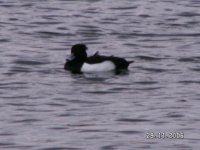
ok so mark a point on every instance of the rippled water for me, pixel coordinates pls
(44, 107)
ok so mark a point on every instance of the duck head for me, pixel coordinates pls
(78, 52)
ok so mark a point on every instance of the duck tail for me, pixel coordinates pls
(129, 62)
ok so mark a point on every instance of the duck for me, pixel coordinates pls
(79, 62)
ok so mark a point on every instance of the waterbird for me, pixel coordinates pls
(79, 62)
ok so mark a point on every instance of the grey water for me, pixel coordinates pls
(155, 105)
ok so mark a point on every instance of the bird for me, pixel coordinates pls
(79, 62)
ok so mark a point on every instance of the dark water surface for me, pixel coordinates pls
(43, 107)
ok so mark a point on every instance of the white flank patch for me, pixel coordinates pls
(100, 67)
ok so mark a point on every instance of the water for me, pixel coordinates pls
(44, 107)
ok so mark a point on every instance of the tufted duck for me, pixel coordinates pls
(79, 62)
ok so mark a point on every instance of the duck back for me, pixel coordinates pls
(120, 63)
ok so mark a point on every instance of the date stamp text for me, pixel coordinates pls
(164, 135)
